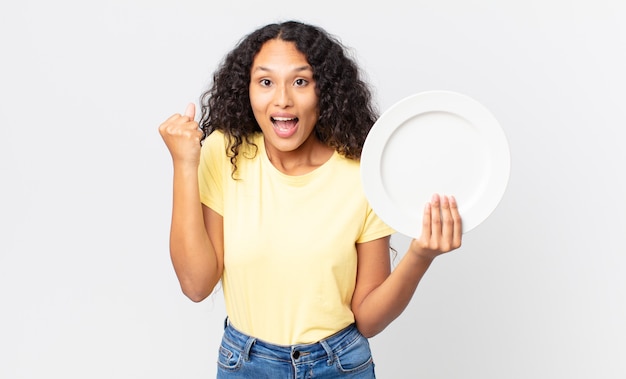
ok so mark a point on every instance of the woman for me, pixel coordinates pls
(271, 205)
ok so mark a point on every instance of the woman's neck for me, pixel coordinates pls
(306, 158)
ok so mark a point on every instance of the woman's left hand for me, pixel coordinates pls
(441, 228)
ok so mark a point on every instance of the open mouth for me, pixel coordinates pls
(284, 126)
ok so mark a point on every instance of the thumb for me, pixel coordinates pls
(190, 111)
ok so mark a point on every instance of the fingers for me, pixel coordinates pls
(436, 215)
(447, 223)
(426, 222)
(190, 111)
(182, 124)
(189, 114)
(441, 224)
(457, 235)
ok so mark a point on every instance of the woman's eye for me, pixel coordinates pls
(265, 82)
(300, 82)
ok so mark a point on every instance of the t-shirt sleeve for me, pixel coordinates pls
(374, 227)
(211, 171)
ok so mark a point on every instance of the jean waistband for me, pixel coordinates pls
(298, 353)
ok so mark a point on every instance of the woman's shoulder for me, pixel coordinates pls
(216, 138)
(348, 163)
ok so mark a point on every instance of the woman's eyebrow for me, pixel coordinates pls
(296, 69)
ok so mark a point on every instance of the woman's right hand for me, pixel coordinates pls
(182, 136)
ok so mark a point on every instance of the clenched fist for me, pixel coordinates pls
(182, 136)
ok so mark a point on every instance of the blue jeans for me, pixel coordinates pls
(345, 354)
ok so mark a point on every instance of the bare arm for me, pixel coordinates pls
(381, 296)
(197, 261)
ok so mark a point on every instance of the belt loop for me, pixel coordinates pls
(247, 348)
(329, 351)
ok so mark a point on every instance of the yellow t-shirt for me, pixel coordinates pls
(289, 241)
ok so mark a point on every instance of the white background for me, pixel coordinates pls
(86, 286)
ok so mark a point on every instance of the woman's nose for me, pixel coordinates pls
(282, 97)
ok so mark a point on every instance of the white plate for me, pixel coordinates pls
(434, 142)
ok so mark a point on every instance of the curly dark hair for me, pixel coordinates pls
(346, 110)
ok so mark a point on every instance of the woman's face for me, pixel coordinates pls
(282, 96)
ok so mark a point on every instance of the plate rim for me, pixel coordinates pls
(412, 106)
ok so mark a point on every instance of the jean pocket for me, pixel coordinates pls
(229, 358)
(355, 357)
